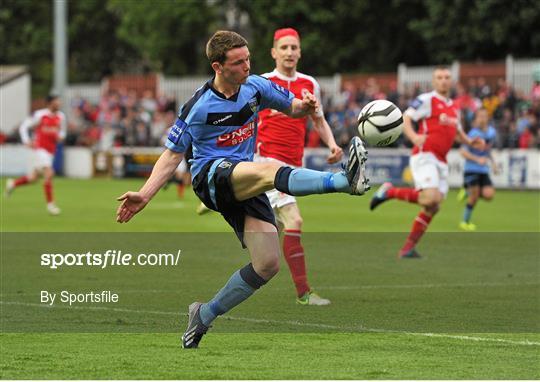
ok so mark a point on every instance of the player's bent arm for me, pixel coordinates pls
(476, 142)
(409, 132)
(25, 128)
(163, 170)
(301, 108)
(323, 129)
(325, 132)
(470, 156)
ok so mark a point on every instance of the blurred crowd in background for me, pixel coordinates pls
(124, 118)
(515, 115)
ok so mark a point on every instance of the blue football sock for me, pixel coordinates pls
(306, 182)
(233, 293)
(467, 213)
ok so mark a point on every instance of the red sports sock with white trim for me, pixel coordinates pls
(406, 194)
(420, 225)
(21, 181)
(48, 188)
(294, 255)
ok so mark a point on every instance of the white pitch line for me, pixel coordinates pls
(287, 322)
(339, 287)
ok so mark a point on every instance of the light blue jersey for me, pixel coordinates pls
(219, 127)
(488, 136)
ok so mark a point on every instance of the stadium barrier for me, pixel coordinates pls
(516, 169)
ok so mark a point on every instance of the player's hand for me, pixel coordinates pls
(336, 153)
(132, 203)
(309, 102)
(419, 139)
(478, 144)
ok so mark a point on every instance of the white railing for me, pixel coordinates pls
(410, 76)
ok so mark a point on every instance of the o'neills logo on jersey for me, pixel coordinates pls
(237, 136)
(447, 120)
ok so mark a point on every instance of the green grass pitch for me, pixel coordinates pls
(468, 311)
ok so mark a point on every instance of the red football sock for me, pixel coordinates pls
(20, 181)
(48, 188)
(420, 225)
(294, 255)
(407, 194)
(180, 187)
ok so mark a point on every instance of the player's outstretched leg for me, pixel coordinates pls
(302, 181)
(12, 184)
(387, 191)
(250, 179)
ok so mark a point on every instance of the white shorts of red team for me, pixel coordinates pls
(277, 198)
(429, 172)
(41, 158)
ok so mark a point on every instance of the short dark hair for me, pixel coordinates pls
(442, 67)
(221, 42)
(51, 97)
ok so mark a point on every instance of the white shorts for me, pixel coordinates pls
(277, 198)
(41, 158)
(429, 172)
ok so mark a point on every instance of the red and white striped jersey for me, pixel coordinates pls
(279, 136)
(49, 127)
(438, 119)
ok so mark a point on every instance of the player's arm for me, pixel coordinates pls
(470, 156)
(24, 129)
(476, 142)
(322, 128)
(63, 129)
(408, 130)
(304, 107)
(419, 108)
(133, 202)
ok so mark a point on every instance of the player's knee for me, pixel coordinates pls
(488, 195)
(295, 222)
(432, 202)
(268, 268)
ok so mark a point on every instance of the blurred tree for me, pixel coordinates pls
(95, 49)
(170, 35)
(339, 36)
(26, 39)
(107, 36)
(479, 29)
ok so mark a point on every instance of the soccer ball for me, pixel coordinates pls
(380, 123)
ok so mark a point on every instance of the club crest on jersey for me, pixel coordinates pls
(253, 104)
(280, 89)
(176, 131)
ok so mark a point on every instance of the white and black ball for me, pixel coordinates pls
(380, 123)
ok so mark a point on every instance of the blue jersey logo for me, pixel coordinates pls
(176, 131)
(280, 89)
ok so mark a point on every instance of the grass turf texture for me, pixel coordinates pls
(462, 313)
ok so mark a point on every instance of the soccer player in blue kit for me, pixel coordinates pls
(476, 172)
(219, 122)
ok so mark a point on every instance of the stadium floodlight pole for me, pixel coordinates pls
(60, 49)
